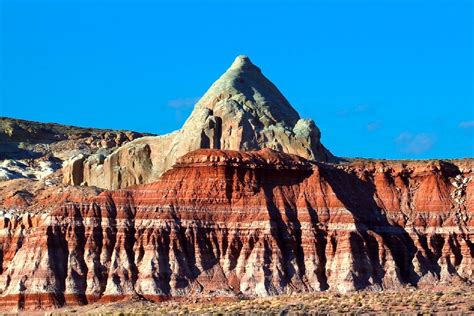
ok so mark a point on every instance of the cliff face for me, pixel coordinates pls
(260, 223)
(242, 111)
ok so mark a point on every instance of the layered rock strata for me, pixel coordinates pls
(223, 223)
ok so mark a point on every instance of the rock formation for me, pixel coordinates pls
(242, 110)
(223, 223)
(242, 201)
(37, 150)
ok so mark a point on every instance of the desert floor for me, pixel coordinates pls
(453, 300)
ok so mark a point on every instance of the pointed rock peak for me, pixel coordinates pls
(244, 88)
(242, 62)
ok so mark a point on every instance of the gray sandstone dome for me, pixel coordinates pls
(242, 111)
(243, 86)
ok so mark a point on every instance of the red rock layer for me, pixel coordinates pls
(222, 223)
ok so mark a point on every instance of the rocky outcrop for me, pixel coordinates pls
(224, 223)
(36, 150)
(242, 110)
(73, 170)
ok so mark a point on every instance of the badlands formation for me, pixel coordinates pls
(242, 201)
(242, 110)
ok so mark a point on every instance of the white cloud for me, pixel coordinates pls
(182, 102)
(466, 124)
(415, 144)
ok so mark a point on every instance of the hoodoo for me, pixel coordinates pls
(242, 110)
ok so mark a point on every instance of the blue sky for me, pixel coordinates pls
(383, 79)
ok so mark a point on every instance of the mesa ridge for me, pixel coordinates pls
(243, 201)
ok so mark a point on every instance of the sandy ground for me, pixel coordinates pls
(457, 300)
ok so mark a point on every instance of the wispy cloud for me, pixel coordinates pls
(415, 144)
(182, 102)
(358, 109)
(374, 126)
(466, 124)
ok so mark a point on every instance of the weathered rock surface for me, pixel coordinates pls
(242, 110)
(254, 205)
(36, 150)
(223, 223)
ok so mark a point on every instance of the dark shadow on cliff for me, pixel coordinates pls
(321, 243)
(357, 196)
(287, 235)
(14, 151)
(58, 260)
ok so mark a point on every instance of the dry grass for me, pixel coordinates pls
(454, 301)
